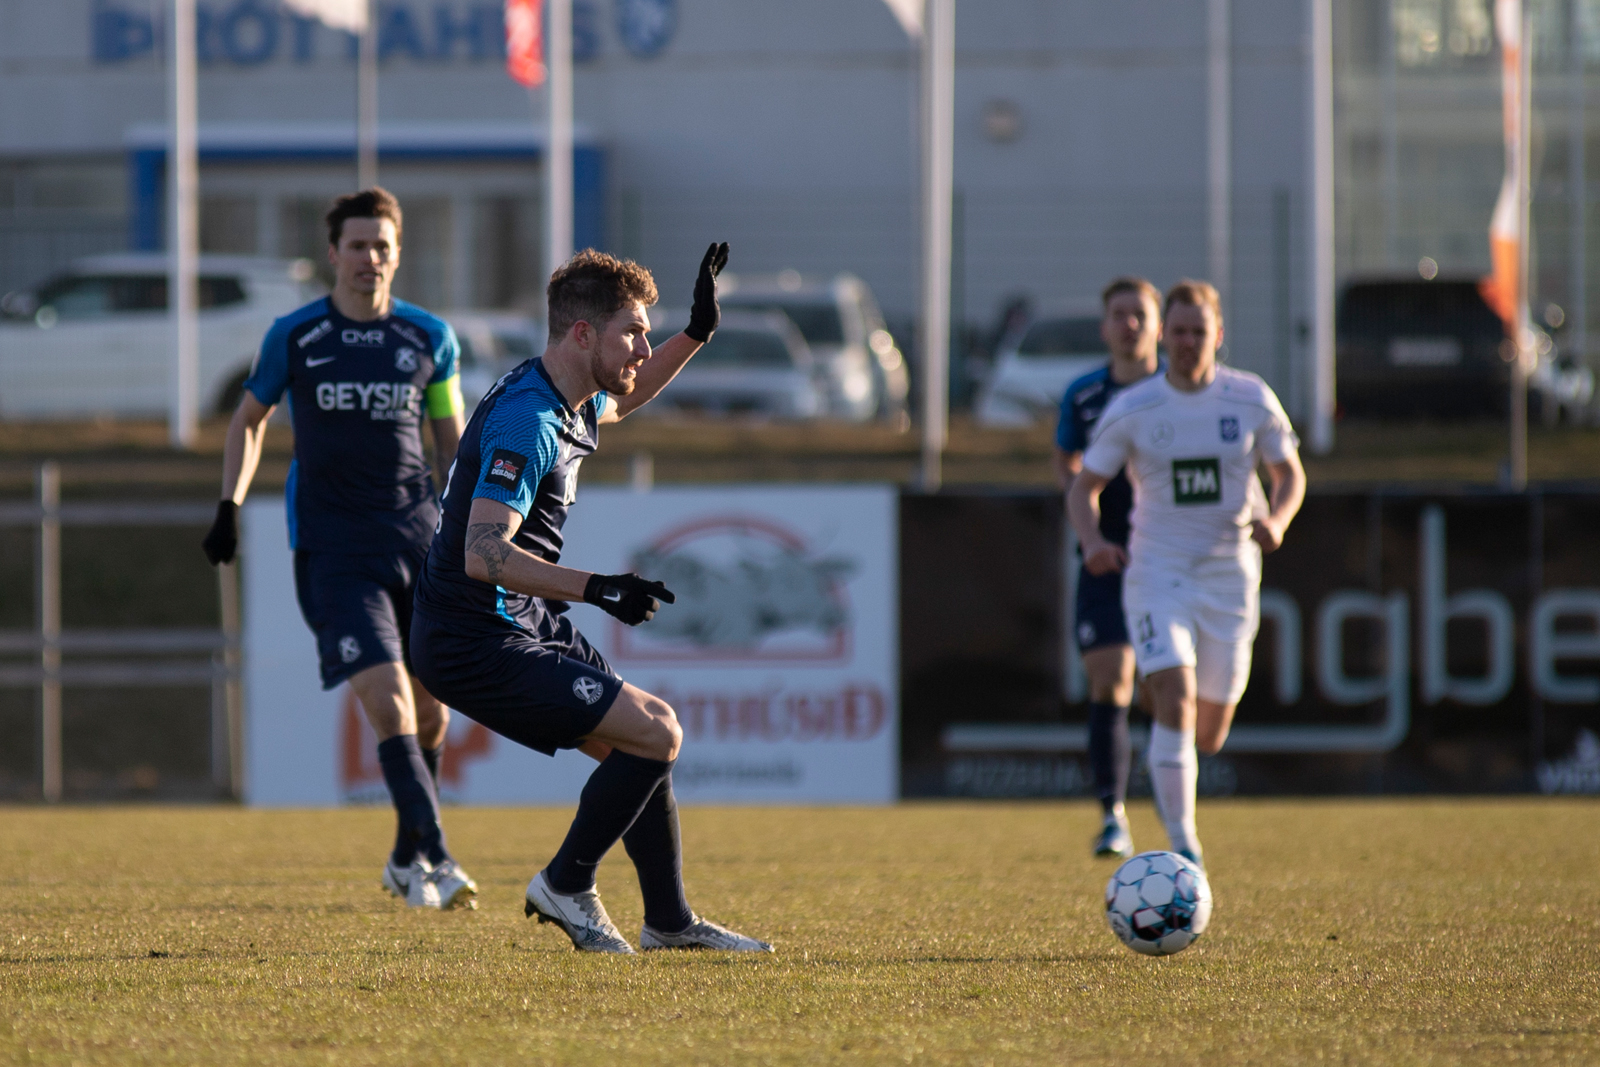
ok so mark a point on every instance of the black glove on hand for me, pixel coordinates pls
(223, 540)
(627, 596)
(706, 315)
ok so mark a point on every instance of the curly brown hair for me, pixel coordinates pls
(593, 286)
(374, 203)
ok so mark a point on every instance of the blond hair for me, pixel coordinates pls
(1196, 294)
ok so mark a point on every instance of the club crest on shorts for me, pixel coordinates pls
(349, 649)
(587, 689)
(1229, 428)
(1086, 634)
(405, 358)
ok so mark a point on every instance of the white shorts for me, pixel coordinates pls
(1201, 612)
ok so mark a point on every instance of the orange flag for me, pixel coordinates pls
(525, 41)
(1502, 290)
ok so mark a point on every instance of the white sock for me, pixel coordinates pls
(1174, 773)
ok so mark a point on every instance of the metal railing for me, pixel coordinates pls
(188, 656)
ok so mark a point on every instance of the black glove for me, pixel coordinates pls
(706, 315)
(627, 596)
(223, 540)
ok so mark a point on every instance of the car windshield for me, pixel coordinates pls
(1418, 308)
(733, 347)
(92, 295)
(1079, 336)
(819, 321)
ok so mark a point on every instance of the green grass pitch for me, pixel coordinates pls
(1460, 931)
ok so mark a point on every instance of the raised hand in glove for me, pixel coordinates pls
(223, 539)
(627, 596)
(705, 316)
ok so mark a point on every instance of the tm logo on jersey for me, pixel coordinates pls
(1197, 481)
(505, 469)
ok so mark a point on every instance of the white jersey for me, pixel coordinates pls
(1192, 460)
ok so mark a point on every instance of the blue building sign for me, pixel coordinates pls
(253, 32)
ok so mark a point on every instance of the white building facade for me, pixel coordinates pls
(1089, 138)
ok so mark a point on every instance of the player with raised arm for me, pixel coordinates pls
(360, 369)
(1191, 440)
(1131, 329)
(489, 634)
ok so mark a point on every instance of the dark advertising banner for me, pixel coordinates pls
(1409, 642)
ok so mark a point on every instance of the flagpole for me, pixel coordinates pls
(558, 162)
(938, 137)
(367, 101)
(1524, 340)
(183, 243)
(1323, 391)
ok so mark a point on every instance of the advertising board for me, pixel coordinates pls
(780, 655)
(1410, 642)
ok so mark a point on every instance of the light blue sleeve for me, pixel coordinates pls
(446, 356)
(270, 376)
(514, 459)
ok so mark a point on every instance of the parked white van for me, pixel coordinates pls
(96, 340)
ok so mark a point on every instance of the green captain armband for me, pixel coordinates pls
(444, 398)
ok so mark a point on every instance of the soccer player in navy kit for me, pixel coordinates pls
(1131, 328)
(489, 635)
(360, 368)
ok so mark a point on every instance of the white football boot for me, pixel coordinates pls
(701, 933)
(580, 915)
(412, 883)
(455, 886)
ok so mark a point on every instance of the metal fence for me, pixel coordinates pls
(122, 657)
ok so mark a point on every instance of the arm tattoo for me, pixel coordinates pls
(489, 541)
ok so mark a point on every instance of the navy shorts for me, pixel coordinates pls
(358, 606)
(1098, 621)
(545, 691)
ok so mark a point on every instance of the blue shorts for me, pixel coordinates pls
(546, 691)
(1098, 620)
(359, 607)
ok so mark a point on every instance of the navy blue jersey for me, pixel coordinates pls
(360, 481)
(522, 447)
(1085, 399)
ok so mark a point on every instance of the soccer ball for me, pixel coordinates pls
(1158, 903)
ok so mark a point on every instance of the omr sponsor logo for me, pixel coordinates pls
(367, 338)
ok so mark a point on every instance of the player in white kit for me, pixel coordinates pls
(1191, 440)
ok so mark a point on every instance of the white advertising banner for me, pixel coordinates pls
(780, 655)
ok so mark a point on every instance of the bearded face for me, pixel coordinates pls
(623, 347)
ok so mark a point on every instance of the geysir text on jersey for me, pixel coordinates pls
(381, 400)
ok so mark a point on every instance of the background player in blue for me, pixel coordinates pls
(359, 368)
(1131, 329)
(489, 636)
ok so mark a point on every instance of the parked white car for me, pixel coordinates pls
(757, 363)
(492, 343)
(95, 340)
(864, 371)
(1033, 369)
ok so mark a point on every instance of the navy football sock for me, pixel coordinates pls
(611, 800)
(1109, 753)
(411, 789)
(431, 758)
(654, 845)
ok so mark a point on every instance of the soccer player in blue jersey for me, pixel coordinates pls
(489, 635)
(362, 370)
(1131, 328)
